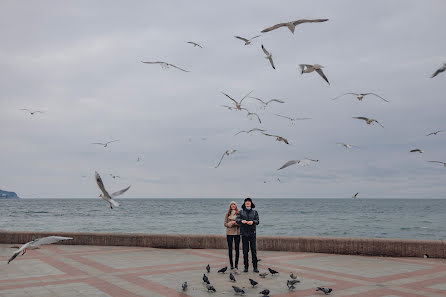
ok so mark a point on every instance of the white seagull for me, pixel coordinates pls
(31, 112)
(304, 162)
(106, 143)
(37, 242)
(226, 153)
(346, 145)
(360, 96)
(416, 151)
(247, 41)
(435, 133)
(368, 121)
(269, 56)
(292, 25)
(250, 115)
(250, 131)
(293, 120)
(439, 70)
(165, 65)
(238, 105)
(265, 103)
(444, 163)
(307, 68)
(105, 195)
(194, 44)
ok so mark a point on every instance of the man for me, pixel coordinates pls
(247, 219)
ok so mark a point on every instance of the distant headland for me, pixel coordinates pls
(8, 195)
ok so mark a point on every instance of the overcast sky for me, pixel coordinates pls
(79, 61)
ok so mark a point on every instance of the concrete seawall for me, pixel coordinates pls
(331, 245)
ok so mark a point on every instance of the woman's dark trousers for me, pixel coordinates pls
(236, 239)
(249, 242)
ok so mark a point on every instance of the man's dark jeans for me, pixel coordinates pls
(249, 242)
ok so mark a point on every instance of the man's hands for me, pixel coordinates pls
(244, 221)
(247, 222)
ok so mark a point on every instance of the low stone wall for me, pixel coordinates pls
(332, 245)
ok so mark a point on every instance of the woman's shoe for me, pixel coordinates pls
(232, 267)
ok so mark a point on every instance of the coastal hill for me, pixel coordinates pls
(8, 195)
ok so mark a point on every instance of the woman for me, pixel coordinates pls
(232, 233)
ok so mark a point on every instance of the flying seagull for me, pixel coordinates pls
(444, 163)
(307, 68)
(293, 120)
(265, 104)
(105, 144)
(194, 44)
(247, 41)
(292, 25)
(360, 96)
(31, 112)
(355, 196)
(324, 290)
(416, 151)
(238, 105)
(36, 243)
(434, 133)
(165, 65)
(226, 153)
(238, 290)
(346, 145)
(105, 195)
(303, 162)
(368, 121)
(269, 56)
(439, 70)
(250, 131)
(114, 176)
(278, 138)
(251, 114)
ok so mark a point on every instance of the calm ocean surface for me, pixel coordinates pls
(379, 218)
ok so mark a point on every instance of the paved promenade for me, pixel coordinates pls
(65, 270)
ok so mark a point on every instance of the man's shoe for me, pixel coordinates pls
(256, 270)
(246, 269)
(232, 267)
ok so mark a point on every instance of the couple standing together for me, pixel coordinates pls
(242, 222)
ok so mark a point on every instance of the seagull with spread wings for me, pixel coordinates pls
(226, 153)
(368, 121)
(360, 96)
(106, 143)
(250, 115)
(250, 131)
(278, 138)
(444, 163)
(439, 70)
(416, 151)
(36, 243)
(238, 105)
(346, 145)
(32, 112)
(308, 68)
(292, 120)
(105, 195)
(165, 65)
(194, 44)
(247, 41)
(304, 162)
(434, 133)
(292, 25)
(269, 56)
(265, 103)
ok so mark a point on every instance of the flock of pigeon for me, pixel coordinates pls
(241, 291)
